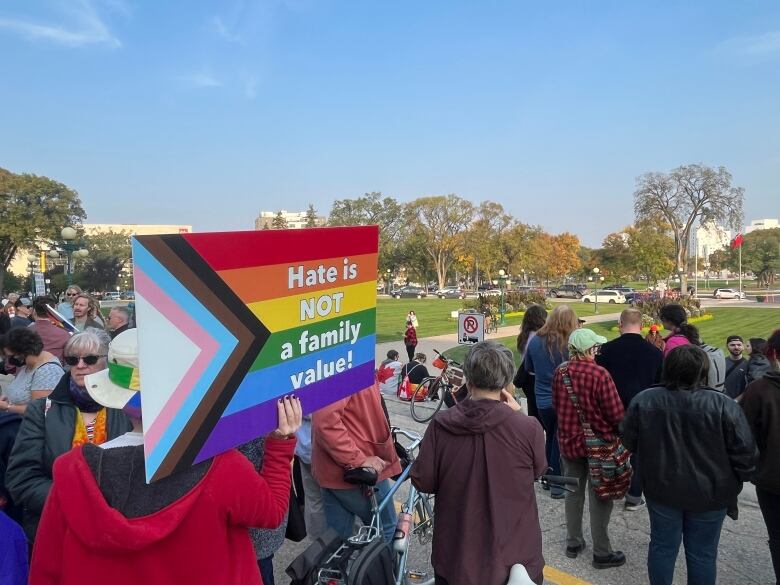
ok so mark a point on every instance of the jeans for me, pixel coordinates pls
(267, 570)
(342, 505)
(313, 509)
(699, 532)
(634, 495)
(549, 421)
(600, 510)
(410, 351)
(770, 509)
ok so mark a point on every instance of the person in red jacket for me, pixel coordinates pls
(103, 522)
(353, 432)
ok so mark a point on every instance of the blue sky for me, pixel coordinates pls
(205, 113)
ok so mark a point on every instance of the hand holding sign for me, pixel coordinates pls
(290, 417)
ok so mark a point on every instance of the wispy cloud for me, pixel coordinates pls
(225, 32)
(754, 46)
(86, 27)
(201, 79)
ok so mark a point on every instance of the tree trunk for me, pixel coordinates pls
(2, 280)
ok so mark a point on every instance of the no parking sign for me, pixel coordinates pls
(471, 328)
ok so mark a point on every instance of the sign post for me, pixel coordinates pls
(471, 328)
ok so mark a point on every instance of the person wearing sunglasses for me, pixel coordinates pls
(37, 370)
(68, 418)
(65, 308)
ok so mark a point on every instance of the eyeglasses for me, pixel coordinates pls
(70, 294)
(90, 360)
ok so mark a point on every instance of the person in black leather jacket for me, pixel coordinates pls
(696, 449)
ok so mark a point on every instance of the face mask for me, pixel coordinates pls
(16, 362)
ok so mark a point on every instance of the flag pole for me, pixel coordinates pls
(696, 267)
(740, 269)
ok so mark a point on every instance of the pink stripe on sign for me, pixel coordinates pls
(187, 325)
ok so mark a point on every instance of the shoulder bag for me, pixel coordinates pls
(608, 461)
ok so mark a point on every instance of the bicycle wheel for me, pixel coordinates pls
(423, 518)
(424, 410)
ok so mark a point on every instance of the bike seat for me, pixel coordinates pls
(361, 476)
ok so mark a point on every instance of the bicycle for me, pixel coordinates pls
(416, 518)
(436, 388)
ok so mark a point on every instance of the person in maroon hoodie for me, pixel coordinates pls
(480, 459)
(102, 522)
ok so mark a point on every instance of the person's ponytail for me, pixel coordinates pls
(690, 332)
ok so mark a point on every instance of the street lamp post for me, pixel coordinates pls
(72, 249)
(387, 278)
(596, 289)
(32, 265)
(502, 280)
(707, 275)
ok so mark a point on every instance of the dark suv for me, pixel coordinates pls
(571, 291)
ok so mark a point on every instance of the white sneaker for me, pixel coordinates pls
(635, 506)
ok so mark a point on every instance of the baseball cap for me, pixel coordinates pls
(583, 339)
(24, 301)
(654, 328)
(115, 386)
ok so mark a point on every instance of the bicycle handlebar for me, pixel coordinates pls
(558, 480)
(411, 435)
(446, 359)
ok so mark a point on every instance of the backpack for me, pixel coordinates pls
(717, 374)
(406, 388)
(304, 568)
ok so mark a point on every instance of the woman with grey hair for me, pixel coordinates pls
(52, 426)
(480, 458)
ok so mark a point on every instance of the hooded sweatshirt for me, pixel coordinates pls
(103, 522)
(761, 403)
(480, 459)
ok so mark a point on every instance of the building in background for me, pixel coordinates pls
(761, 224)
(136, 229)
(711, 237)
(20, 264)
(295, 219)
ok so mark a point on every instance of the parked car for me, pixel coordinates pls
(488, 289)
(571, 291)
(605, 296)
(409, 292)
(111, 296)
(728, 293)
(128, 295)
(451, 292)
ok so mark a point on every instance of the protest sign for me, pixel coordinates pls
(229, 322)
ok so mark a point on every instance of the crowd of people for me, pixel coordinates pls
(73, 493)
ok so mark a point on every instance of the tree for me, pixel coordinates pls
(33, 210)
(311, 217)
(109, 255)
(760, 255)
(373, 209)
(441, 220)
(515, 245)
(482, 241)
(555, 256)
(16, 283)
(615, 257)
(686, 195)
(279, 223)
(651, 250)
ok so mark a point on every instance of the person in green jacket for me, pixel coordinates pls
(68, 418)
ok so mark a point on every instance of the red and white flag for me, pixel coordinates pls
(737, 241)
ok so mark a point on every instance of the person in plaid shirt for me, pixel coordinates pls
(603, 409)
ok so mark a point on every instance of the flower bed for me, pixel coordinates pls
(692, 321)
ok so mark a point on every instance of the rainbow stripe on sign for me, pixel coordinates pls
(229, 322)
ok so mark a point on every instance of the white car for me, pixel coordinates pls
(728, 293)
(605, 296)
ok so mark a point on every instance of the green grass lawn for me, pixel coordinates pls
(434, 316)
(727, 321)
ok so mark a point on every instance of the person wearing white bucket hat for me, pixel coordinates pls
(102, 517)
